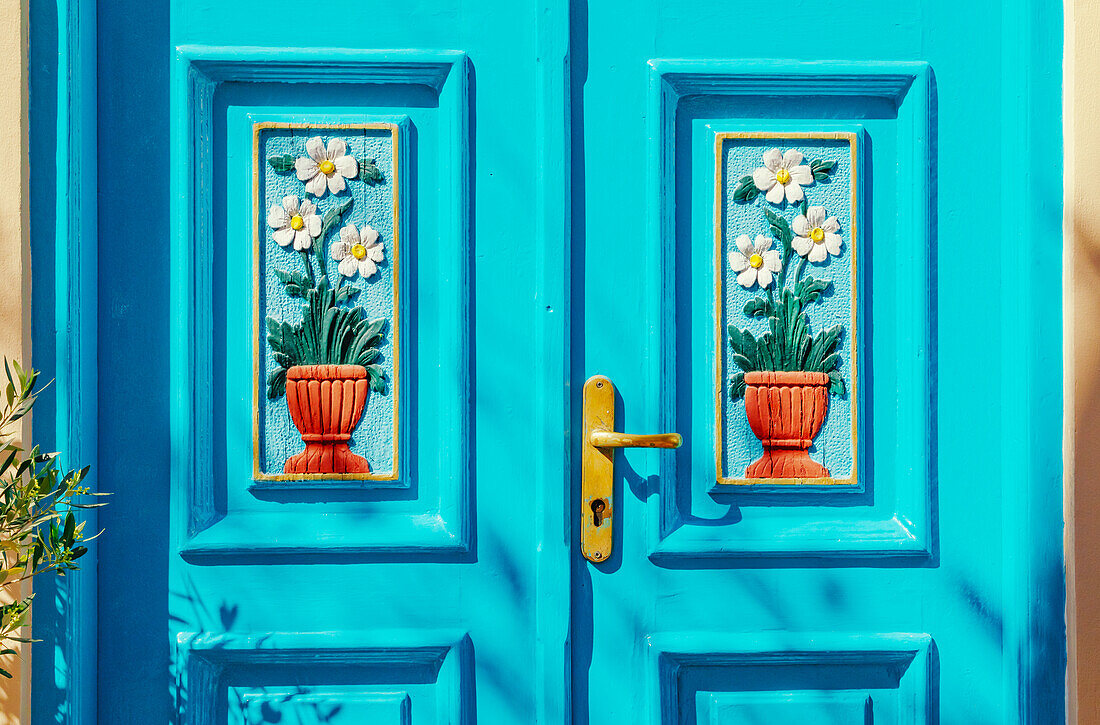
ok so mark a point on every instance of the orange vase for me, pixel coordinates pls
(785, 411)
(326, 402)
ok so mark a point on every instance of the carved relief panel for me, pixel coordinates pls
(787, 297)
(326, 300)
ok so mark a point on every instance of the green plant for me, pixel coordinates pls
(39, 531)
(789, 344)
(332, 330)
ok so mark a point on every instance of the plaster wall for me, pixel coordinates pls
(1082, 359)
(15, 338)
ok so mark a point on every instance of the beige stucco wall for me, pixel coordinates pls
(1082, 359)
(15, 339)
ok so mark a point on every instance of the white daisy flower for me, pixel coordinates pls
(817, 234)
(755, 262)
(358, 252)
(294, 221)
(326, 168)
(783, 175)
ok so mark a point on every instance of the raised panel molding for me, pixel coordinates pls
(428, 516)
(890, 513)
(717, 677)
(226, 678)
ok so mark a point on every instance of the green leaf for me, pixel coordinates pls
(766, 352)
(746, 350)
(837, 386)
(742, 362)
(757, 306)
(332, 217)
(70, 527)
(780, 229)
(369, 172)
(377, 378)
(821, 169)
(347, 294)
(281, 163)
(737, 386)
(745, 190)
(276, 384)
(810, 289)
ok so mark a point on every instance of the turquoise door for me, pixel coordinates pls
(356, 263)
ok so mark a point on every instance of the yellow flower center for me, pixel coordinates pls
(358, 251)
(327, 167)
(296, 222)
(756, 261)
(818, 235)
(783, 176)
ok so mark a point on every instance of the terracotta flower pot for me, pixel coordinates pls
(785, 411)
(326, 402)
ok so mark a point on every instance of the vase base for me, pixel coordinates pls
(326, 458)
(786, 463)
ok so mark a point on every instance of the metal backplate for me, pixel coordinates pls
(597, 467)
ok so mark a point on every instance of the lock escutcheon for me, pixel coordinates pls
(598, 465)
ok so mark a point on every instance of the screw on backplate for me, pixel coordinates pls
(598, 555)
(599, 385)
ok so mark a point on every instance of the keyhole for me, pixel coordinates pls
(598, 507)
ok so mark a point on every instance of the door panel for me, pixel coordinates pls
(425, 98)
(405, 595)
(883, 510)
(900, 598)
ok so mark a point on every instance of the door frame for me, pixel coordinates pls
(65, 309)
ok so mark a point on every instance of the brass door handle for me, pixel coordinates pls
(598, 465)
(611, 439)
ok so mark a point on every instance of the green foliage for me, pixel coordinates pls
(745, 190)
(332, 218)
(788, 345)
(39, 529)
(294, 283)
(281, 162)
(781, 230)
(327, 335)
(821, 169)
(330, 333)
(369, 172)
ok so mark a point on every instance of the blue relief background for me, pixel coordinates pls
(373, 206)
(833, 445)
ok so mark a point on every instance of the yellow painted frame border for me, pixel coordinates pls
(395, 327)
(719, 305)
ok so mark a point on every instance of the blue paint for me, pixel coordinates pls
(834, 444)
(371, 205)
(561, 224)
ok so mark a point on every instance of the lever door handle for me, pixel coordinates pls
(611, 439)
(598, 465)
